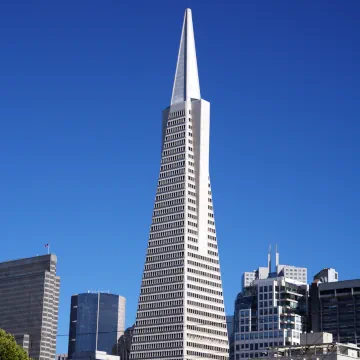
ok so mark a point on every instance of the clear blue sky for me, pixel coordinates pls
(82, 87)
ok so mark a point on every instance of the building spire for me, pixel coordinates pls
(186, 82)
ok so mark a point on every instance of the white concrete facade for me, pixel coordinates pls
(181, 308)
(273, 323)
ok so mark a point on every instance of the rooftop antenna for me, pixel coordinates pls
(269, 259)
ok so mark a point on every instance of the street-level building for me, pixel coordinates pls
(316, 346)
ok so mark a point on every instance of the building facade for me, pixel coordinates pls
(315, 346)
(97, 320)
(94, 355)
(181, 313)
(61, 357)
(263, 272)
(123, 346)
(270, 313)
(29, 302)
(335, 307)
(247, 278)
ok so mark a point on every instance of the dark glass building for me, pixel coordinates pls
(335, 308)
(29, 301)
(97, 320)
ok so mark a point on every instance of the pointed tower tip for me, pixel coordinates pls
(186, 83)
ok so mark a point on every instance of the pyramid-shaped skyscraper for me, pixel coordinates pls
(181, 308)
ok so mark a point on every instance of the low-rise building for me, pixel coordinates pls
(94, 355)
(316, 346)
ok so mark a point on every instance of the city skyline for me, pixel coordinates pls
(69, 155)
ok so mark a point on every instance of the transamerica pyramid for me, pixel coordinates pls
(181, 308)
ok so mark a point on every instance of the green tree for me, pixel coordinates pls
(9, 349)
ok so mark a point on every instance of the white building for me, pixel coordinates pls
(248, 278)
(293, 272)
(263, 272)
(317, 346)
(181, 309)
(268, 314)
(94, 355)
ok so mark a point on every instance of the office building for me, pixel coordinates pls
(181, 308)
(61, 357)
(97, 320)
(123, 346)
(94, 355)
(316, 346)
(289, 271)
(269, 313)
(335, 306)
(23, 340)
(230, 325)
(247, 278)
(327, 275)
(29, 301)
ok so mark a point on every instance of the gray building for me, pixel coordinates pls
(61, 357)
(315, 346)
(97, 320)
(123, 346)
(29, 301)
(230, 325)
(335, 307)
